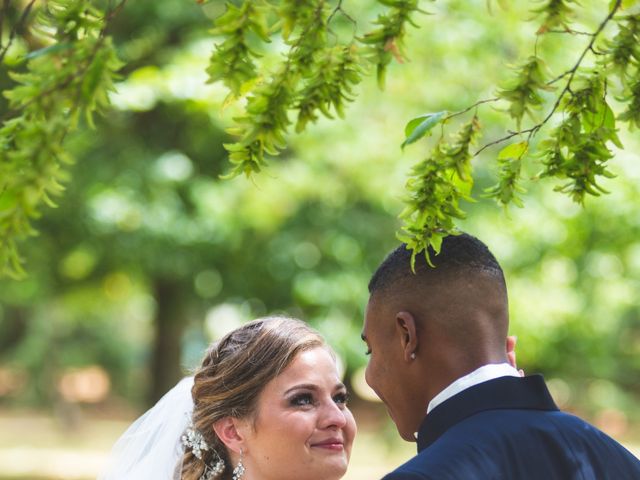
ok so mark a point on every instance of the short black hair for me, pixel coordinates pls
(459, 254)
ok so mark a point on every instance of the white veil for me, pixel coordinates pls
(151, 446)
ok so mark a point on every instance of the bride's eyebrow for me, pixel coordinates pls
(313, 387)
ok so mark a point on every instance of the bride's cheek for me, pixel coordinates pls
(351, 426)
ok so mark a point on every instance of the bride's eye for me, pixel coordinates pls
(341, 398)
(302, 400)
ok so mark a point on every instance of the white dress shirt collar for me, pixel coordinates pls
(482, 374)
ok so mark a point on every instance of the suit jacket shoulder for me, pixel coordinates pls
(509, 428)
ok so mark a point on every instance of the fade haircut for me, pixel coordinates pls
(460, 255)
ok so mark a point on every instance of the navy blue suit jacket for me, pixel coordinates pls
(509, 428)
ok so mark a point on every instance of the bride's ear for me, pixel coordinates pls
(229, 430)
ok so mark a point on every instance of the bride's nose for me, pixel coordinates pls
(331, 415)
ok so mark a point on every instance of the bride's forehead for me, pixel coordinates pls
(312, 359)
(314, 363)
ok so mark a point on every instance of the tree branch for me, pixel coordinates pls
(344, 14)
(342, 11)
(14, 30)
(478, 103)
(567, 88)
(112, 12)
(570, 32)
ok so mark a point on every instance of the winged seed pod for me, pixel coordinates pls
(523, 90)
(555, 13)
(232, 59)
(577, 150)
(331, 85)
(387, 40)
(623, 50)
(435, 188)
(632, 98)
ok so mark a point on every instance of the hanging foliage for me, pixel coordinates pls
(60, 84)
(572, 143)
(288, 62)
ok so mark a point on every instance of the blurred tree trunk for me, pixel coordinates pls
(13, 327)
(169, 323)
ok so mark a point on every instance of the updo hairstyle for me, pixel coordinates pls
(234, 372)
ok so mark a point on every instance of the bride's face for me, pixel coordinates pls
(302, 428)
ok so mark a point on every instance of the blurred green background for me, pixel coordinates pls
(149, 256)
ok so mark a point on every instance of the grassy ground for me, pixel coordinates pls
(35, 446)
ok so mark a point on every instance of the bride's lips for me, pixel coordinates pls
(333, 444)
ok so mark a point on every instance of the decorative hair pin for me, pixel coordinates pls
(193, 440)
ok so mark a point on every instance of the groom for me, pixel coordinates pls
(438, 361)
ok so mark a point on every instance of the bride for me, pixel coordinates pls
(267, 403)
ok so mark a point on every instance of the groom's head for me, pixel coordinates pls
(428, 328)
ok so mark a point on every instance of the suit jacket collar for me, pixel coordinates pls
(528, 393)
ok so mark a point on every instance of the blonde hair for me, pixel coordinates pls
(234, 372)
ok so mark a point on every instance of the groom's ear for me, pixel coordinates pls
(407, 334)
(229, 431)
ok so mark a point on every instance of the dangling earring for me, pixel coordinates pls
(238, 472)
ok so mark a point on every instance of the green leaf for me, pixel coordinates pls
(609, 120)
(515, 150)
(610, 123)
(436, 243)
(420, 126)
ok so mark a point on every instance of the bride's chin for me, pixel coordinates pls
(336, 469)
(334, 475)
(331, 465)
